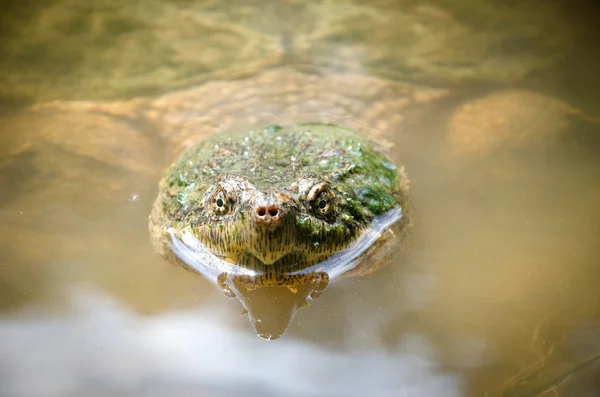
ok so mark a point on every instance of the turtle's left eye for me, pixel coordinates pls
(321, 199)
(323, 204)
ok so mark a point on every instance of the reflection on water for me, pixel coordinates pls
(494, 293)
(108, 349)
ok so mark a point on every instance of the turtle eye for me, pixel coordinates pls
(221, 198)
(323, 203)
(221, 202)
(321, 199)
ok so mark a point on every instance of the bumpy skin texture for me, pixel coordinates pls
(277, 197)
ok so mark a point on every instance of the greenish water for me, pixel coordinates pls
(493, 293)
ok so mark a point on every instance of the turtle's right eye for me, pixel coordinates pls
(222, 198)
(221, 202)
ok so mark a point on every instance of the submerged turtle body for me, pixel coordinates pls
(93, 165)
(119, 150)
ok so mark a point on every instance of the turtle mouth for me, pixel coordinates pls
(290, 262)
(195, 254)
(289, 259)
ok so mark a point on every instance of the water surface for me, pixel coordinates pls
(497, 278)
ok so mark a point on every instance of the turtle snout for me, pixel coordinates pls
(268, 214)
(271, 234)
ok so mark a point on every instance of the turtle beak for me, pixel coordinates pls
(273, 234)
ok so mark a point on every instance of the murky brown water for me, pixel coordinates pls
(494, 293)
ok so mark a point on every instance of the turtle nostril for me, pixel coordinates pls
(267, 212)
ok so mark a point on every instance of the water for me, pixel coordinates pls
(492, 294)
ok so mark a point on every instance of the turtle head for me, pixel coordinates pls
(287, 197)
(293, 227)
(282, 207)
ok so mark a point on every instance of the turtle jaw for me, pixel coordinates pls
(268, 258)
(269, 244)
(270, 233)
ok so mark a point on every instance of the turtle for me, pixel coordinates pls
(279, 206)
(317, 131)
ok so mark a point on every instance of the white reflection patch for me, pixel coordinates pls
(103, 349)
